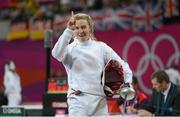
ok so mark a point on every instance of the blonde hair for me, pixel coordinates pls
(88, 18)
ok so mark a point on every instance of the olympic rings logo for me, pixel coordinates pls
(150, 56)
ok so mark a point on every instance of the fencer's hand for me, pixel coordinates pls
(72, 22)
(125, 85)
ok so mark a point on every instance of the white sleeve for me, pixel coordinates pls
(61, 45)
(110, 54)
(179, 79)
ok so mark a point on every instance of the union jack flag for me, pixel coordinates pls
(98, 18)
(171, 8)
(112, 19)
(119, 19)
(147, 16)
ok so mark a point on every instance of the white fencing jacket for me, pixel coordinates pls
(85, 62)
(12, 83)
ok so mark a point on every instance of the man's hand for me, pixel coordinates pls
(143, 112)
(72, 22)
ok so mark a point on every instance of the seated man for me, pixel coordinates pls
(165, 99)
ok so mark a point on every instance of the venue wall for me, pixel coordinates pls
(145, 52)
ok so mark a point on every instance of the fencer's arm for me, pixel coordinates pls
(60, 47)
(8, 83)
(111, 54)
(62, 43)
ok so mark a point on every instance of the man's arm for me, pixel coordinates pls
(176, 108)
(149, 109)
